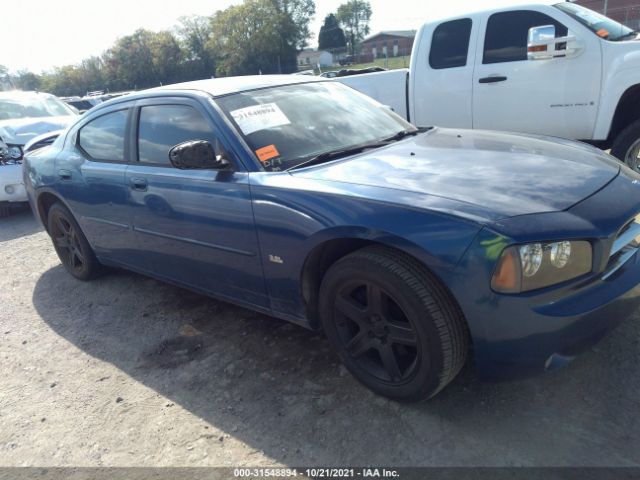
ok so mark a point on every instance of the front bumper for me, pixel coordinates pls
(11, 184)
(516, 336)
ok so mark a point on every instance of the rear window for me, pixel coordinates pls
(103, 138)
(450, 44)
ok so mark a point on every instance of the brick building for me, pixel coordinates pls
(390, 43)
(624, 11)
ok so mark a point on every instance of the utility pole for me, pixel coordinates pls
(606, 7)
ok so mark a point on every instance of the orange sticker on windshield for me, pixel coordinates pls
(267, 153)
(602, 33)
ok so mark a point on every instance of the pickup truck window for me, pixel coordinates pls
(103, 138)
(602, 26)
(450, 44)
(288, 125)
(507, 34)
(163, 126)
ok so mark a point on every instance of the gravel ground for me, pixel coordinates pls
(128, 371)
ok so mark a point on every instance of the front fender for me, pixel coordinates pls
(291, 224)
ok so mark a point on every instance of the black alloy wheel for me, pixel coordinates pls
(70, 244)
(393, 324)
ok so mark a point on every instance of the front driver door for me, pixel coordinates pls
(556, 97)
(192, 226)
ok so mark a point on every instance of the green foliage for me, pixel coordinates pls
(354, 16)
(252, 37)
(260, 36)
(331, 35)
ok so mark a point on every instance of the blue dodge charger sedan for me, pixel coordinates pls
(415, 251)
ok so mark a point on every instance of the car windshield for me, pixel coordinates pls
(602, 26)
(287, 126)
(32, 107)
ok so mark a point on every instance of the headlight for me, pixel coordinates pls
(522, 268)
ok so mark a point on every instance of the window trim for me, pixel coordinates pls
(127, 129)
(433, 34)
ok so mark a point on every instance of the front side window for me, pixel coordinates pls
(508, 33)
(287, 125)
(104, 137)
(450, 44)
(164, 126)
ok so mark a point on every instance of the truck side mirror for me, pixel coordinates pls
(542, 44)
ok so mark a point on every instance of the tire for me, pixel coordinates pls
(380, 307)
(5, 211)
(71, 245)
(626, 146)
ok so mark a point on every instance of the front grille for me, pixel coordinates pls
(624, 246)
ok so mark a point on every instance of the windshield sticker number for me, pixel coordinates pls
(259, 117)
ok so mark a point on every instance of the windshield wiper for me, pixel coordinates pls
(334, 154)
(344, 152)
(630, 34)
(406, 133)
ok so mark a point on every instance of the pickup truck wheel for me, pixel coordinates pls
(393, 324)
(626, 146)
(71, 245)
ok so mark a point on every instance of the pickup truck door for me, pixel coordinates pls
(194, 227)
(440, 84)
(557, 96)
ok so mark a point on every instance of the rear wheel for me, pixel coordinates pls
(393, 324)
(71, 245)
(626, 146)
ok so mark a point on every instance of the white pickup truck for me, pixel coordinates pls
(551, 68)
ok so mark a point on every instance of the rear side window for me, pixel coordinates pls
(508, 32)
(450, 44)
(164, 126)
(103, 138)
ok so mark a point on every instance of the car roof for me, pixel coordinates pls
(227, 85)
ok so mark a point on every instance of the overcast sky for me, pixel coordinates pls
(40, 34)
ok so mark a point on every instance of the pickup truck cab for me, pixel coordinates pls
(548, 68)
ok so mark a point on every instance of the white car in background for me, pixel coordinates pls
(24, 116)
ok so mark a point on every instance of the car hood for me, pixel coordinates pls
(20, 131)
(503, 174)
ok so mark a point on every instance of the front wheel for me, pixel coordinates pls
(71, 245)
(626, 146)
(393, 324)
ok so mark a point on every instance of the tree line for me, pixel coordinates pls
(254, 37)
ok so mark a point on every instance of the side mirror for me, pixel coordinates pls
(542, 44)
(196, 155)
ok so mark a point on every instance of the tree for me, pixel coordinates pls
(260, 36)
(194, 33)
(331, 35)
(25, 80)
(354, 16)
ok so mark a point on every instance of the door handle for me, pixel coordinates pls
(138, 183)
(492, 79)
(64, 174)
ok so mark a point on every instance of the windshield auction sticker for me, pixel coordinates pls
(267, 153)
(259, 117)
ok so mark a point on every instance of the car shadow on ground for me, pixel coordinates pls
(20, 223)
(279, 389)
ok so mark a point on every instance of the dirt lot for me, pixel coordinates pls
(128, 371)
